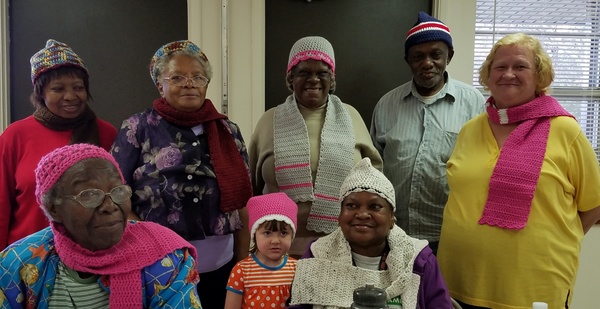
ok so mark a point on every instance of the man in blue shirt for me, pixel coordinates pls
(415, 126)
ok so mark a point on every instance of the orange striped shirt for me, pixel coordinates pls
(262, 286)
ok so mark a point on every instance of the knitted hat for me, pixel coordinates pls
(364, 177)
(53, 165)
(54, 55)
(427, 29)
(311, 47)
(170, 48)
(272, 206)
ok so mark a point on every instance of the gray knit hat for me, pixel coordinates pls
(311, 47)
(364, 177)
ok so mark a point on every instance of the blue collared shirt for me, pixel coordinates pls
(415, 136)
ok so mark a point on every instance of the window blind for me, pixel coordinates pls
(570, 33)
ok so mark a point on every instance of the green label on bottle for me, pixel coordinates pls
(395, 303)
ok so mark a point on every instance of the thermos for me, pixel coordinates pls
(369, 297)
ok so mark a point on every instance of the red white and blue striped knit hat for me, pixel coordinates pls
(54, 55)
(427, 29)
(53, 165)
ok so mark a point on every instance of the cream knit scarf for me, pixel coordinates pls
(292, 160)
(328, 280)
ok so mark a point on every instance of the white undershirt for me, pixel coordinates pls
(366, 262)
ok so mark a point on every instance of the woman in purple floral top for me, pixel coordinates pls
(188, 166)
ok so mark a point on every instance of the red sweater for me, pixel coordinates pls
(22, 145)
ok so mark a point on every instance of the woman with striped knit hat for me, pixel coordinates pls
(61, 97)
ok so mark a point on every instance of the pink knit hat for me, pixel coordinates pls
(53, 165)
(272, 206)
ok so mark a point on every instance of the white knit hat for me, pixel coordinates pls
(364, 177)
(311, 47)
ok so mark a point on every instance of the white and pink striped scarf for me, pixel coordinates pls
(292, 160)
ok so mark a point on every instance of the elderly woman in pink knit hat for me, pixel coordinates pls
(91, 256)
(308, 144)
(63, 115)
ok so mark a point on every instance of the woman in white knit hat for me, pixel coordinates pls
(306, 146)
(368, 247)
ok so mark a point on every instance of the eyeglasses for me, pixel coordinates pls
(180, 80)
(92, 198)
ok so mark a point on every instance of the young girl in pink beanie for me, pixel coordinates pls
(264, 278)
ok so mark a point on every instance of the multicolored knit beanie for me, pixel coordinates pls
(427, 29)
(53, 165)
(54, 55)
(311, 47)
(273, 206)
(170, 48)
(364, 177)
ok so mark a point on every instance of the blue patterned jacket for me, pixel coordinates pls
(29, 266)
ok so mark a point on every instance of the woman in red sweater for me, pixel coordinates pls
(62, 116)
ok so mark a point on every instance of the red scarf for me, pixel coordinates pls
(230, 168)
(517, 170)
(142, 244)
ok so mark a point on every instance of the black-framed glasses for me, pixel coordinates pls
(92, 198)
(180, 80)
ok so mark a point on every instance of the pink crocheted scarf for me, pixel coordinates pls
(517, 171)
(142, 244)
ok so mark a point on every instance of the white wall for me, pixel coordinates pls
(459, 16)
(246, 49)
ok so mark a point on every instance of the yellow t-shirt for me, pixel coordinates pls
(501, 268)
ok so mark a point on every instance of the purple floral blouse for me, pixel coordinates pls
(172, 177)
